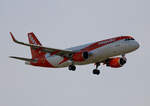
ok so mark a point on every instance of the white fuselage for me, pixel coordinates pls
(97, 55)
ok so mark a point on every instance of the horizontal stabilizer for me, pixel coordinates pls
(24, 59)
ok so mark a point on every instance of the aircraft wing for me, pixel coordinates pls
(24, 59)
(59, 52)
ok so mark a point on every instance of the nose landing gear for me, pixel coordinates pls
(96, 71)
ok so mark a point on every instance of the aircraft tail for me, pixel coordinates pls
(33, 40)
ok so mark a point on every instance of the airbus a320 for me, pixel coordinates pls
(104, 51)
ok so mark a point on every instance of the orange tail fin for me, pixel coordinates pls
(33, 40)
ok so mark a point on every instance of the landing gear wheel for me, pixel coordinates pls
(72, 67)
(96, 71)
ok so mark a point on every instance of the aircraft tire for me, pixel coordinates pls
(96, 71)
(72, 67)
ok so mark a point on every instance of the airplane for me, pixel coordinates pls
(104, 51)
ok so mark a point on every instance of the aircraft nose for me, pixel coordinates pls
(136, 45)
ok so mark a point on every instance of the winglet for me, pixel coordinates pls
(12, 37)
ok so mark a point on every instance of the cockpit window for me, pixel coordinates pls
(127, 39)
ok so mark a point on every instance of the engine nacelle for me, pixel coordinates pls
(116, 62)
(80, 56)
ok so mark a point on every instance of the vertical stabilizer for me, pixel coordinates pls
(33, 40)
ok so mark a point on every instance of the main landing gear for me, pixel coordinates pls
(96, 71)
(72, 67)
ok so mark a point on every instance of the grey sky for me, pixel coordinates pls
(66, 23)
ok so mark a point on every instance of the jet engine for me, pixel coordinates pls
(116, 62)
(80, 56)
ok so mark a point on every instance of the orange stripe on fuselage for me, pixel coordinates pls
(103, 43)
(43, 62)
(55, 52)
